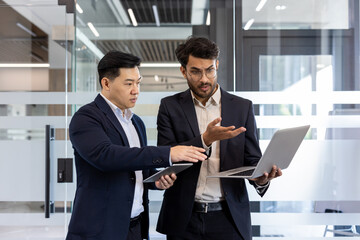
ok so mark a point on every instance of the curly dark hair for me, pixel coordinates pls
(199, 47)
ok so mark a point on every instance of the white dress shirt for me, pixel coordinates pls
(209, 189)
(133, 139)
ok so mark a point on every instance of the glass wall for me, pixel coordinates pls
(34, 77)
(300, 66)
(297, 61)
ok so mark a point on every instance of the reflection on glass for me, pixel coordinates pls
(297, 75)
(305, 14)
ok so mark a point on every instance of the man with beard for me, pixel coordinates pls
(206, 116)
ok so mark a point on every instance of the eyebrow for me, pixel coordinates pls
(132, 80)
(195, 68)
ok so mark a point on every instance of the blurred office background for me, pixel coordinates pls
(298, 61)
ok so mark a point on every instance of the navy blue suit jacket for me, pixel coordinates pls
(105, 166)
(177, 124)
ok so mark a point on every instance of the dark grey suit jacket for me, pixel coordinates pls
(177, 124)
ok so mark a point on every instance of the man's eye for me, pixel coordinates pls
(195, 72)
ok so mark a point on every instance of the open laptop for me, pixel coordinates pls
(280, 152)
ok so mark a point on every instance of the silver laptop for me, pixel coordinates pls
(280, 152)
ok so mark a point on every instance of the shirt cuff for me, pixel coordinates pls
(170, 163)
(261, 188)
(207, 148)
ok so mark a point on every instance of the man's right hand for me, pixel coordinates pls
(214, 133)
(187, 153)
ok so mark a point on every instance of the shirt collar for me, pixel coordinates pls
(214, 99)
(128, 114)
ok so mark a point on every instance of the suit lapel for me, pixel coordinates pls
(140, 133)
(103, 106)
(187, 105)
(143, 142)
(226, 119)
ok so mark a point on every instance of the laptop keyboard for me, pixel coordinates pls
(244, 173)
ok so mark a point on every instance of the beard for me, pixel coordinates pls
(203, 94)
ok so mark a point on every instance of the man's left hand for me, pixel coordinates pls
(165, 181)
(264, 179)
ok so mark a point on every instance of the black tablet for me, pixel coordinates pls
(176, 168)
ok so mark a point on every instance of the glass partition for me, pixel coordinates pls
(306, 14)
(300, 67)
(34, 73)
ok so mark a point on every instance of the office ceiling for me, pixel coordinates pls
(152, 46)
(148, 50)
(151, 42)
(170, 11)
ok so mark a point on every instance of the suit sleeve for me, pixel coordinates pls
(252, 148)
(94, 143)
(166, 132)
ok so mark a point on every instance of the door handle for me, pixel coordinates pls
(49, 137)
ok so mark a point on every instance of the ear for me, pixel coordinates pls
(183, 71)
(105, 83)
(217, 64)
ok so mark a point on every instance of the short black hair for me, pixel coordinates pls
(109, 65)
(199, 47)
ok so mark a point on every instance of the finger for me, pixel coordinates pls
(159, 185)
(197, 155)
(190, 159)
(173, 176)
(164, 184)
(272, 173)
(215, 121)
(225, 129)
(239, 130)
(167, 180)
(162, 179)
(198, 149)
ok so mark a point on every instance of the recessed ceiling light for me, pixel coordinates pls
(208, 18)
(24, 65)
(132, 17)
(260, 5)
(248, 24)
(280, 7)
(26, 29)
(78, 8)
(93, 29)
(156, 15)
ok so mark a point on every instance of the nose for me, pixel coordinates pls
(135, 89)
(204, 78)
